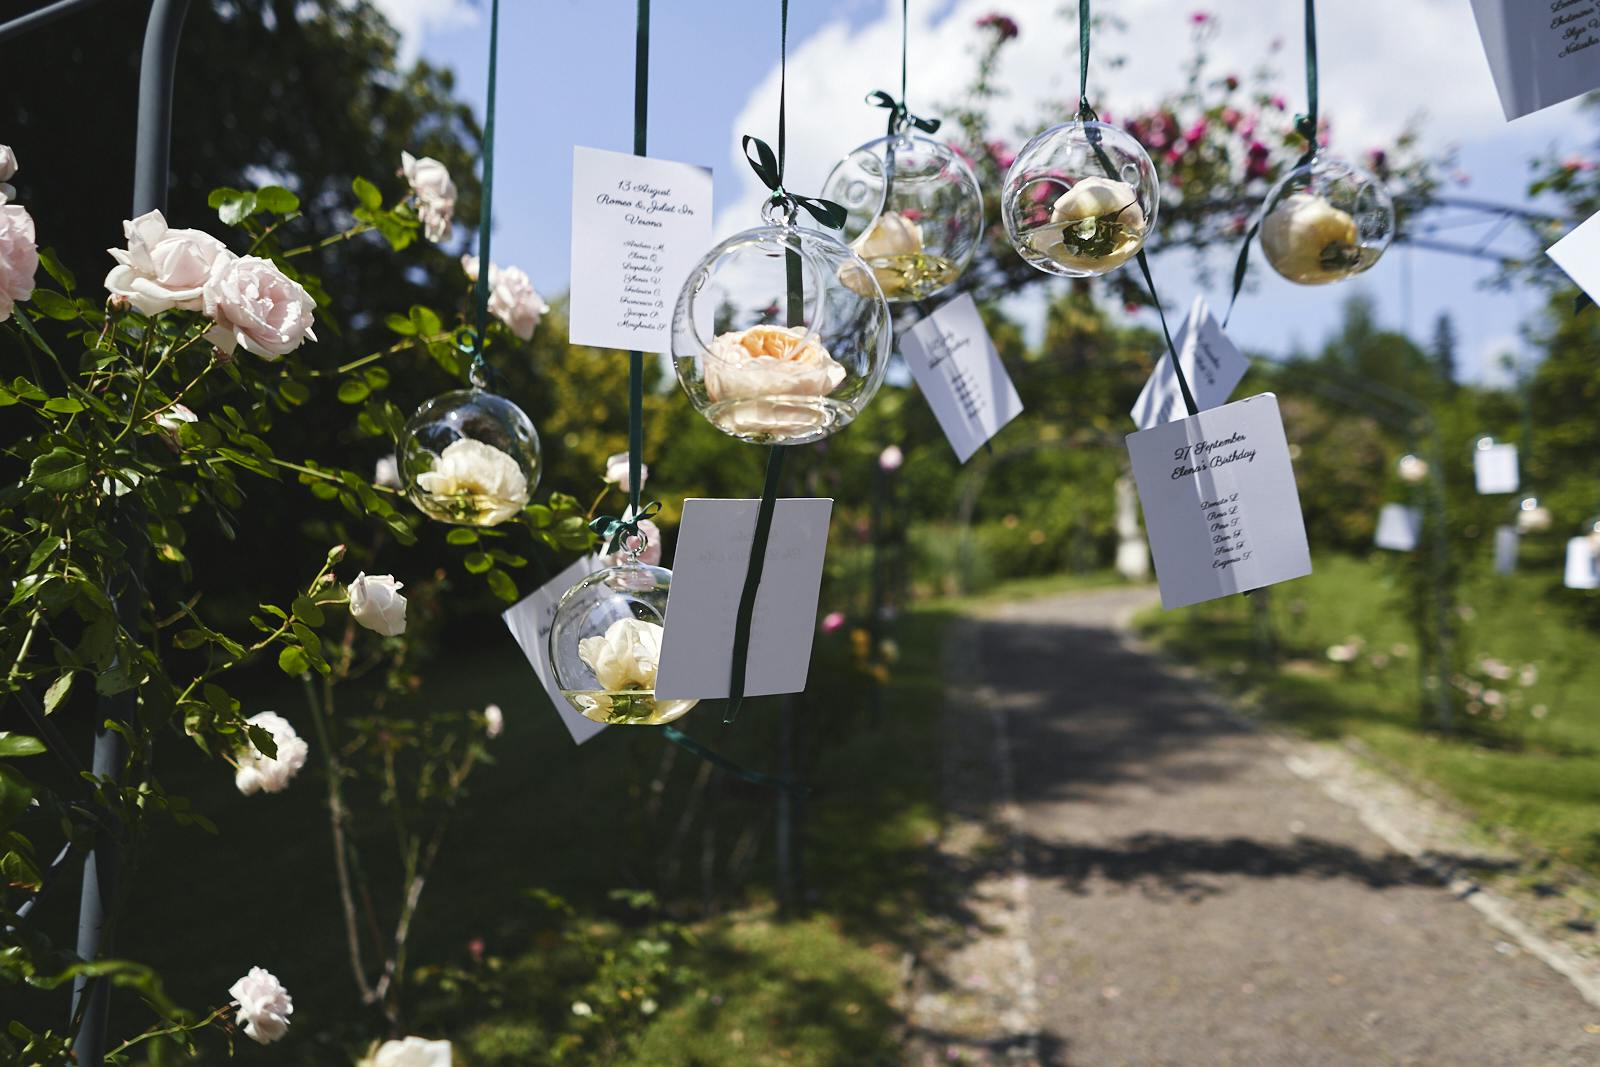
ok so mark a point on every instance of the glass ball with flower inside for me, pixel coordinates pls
(605, 642)
(781, 334)
(469, 457)
(915, 213)
(1325, 221)
(1080, 199)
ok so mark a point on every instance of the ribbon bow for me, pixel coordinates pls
(616, 531)
(765, 164)
(899, 116)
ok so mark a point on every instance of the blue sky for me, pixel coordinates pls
(566, 77)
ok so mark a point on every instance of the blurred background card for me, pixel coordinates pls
(529, 620)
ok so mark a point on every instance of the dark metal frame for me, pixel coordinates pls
(151, 166)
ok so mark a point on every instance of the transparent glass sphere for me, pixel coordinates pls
(605, 645)
(1326, 221)
(1080, 199)
(469, 457)
(916, 213)
(1532, 516)
(769, 371)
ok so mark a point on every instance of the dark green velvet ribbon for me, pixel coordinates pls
(616, 531)
(479, 373)
(716, 759)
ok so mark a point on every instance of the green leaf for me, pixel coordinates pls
(426, 318)
(367, 194)
(294, 392)
(55, 305)
(477, 562)
(461, 535)
(57, 692)
(221, 195)
(400, 324)
(353, 391)
(277, 199)
(293, 662)
(306, 610)
(262, 739)
(189, 639)
(540, 516)
(13, 746)
(42, 552)
(377, 377)
(59, 471)
(501, 585)
(63, 405)
(15, 794)
(236, 209)
(56, 269)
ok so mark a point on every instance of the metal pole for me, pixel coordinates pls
(42, 17)
(152, 163)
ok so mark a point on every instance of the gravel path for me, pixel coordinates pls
(1134, 877)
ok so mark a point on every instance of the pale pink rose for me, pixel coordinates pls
(163, 268)
(264, 1005)
(512, 298)
(19, 257)
(617, 472)
(832, 621)
(434, 192)
(257, 306)
(8, 168)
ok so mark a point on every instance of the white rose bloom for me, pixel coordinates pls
(8, 169)
(469, 267)
(387, 473)
(617, 472)
(512, 298)
(435, 194)
(891, 458)
(260, 773)
(770, 363)
(174, 417)
(376, 603)
(410, 1052)
(264, 1005)
(163, 268)
(19, 257)
(1302, 233)
(1095, 197)
(469, 467)
(1412, 469)
(1535, 519)
(626, 657)
(257, 306)
(890, 236)
(494, 721)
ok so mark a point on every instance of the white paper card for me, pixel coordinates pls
(1494, 468)
(529, 620)
(1578, 253)
(1398, 528)
(1582, 571)
(1211, 362)
(1540, 52)
(1506, 543)
(639, 226)
(708, 572)
(959, 371)
(1220, 503)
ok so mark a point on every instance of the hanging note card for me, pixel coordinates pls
(959, 371)
(1583, 571)
(1494, 468)
(1578, 253)
(639, 226)
(1506, 543)
(529, 620)
(1399, 527)
(1211, 362)
(1540, 52)
(1220, 504)
(708, 573)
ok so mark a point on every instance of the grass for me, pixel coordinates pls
(737, 984)
(1527, 758)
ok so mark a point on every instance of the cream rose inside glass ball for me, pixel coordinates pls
(1326, 221)
(1080, 199)
(781, 335)
(470, 458)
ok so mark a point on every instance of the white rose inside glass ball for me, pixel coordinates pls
(915, 213)
(1411, 468)
(1532, 516)
(605, 645)
(1325, 221)
(772, 344)
(1080, 199)
(469, 457)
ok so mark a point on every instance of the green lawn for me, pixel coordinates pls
(1527, 757)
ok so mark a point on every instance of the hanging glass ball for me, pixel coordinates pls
(916, 213)
(605, 645)
(1532, 516)
(781, 335)
(469, 457)
(1080, 199)
(1326, 221)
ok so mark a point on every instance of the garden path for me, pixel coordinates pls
(1134, 876)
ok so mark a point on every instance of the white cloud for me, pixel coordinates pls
(1382, 63)
(414, 18)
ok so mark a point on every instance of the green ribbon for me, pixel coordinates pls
(616, 530)
(752, 582)
(641, 115)
(899, 116)
(769, 168)
(1306, 126)
(695, 748)
(479, 370)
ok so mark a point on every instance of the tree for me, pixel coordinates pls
(1443, 349)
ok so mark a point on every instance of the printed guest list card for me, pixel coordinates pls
(1220, 503)
(529, 620)
(1541, 52)
(1398, 528)
(1506, 543)
(958, 369)
(639, 226)
(1211, 363)
(1578, 253)
(1494, 468)
(708, 572)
